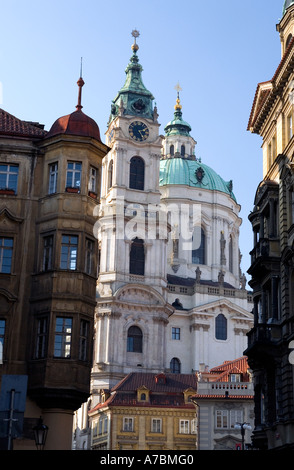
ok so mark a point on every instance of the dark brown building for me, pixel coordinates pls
(272, 267)
(49, 188)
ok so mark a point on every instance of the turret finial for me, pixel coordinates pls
(135, 34)
(178, 105)
(80, 83)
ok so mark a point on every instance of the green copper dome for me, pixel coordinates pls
(192, 173)
(287, 4)
(134, 97)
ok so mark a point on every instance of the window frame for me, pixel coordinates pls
(176, 333)
(89, 256)
(128, 424)
(134, 341)
(184, 426)
(137, 257)
(84, 339)
(65, 343)
(93, 180)
(71, 175)
(41, 337)
(221, 327)
(199, 254)
(71, 259)
(156, 425)
(6, 253)
(3, 327)
(53, 178)
(47, 258)
(137, 173)
(9, 185)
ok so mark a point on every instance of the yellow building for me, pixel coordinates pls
(146, 412)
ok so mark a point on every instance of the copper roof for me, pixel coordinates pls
(12, 126)
(76, 123)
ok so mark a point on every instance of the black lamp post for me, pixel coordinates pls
(243, 427)
(40, 432)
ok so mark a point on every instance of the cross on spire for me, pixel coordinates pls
(135, 34)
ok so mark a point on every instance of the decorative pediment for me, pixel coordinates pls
(261, 95)
(224, 306)
(139, 294)
(6, 214)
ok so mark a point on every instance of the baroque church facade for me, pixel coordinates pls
(170, 294)
(134, 243)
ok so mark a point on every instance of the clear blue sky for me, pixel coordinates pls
(217, 50)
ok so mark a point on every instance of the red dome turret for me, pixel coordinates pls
(76, 123)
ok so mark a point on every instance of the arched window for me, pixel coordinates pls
(221, 327)
(183, 150)
(172, 150)
(137, 257)
(175, 366)
(288, 40)
(231, 251)
(110, 174)
(135, 339)
(198, 246)
(137, 173)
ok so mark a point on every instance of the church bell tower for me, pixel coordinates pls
(132, 309)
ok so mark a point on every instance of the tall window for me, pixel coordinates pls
(222, 419)
(137, 173)
(93, 179)
(198, 242)
(2, 335)
(48, 253)
(172, 150)
(73, 175)
(184, 426)
(175, 366)
(8, 176)
(69, 252)
(135, 339)
(290, 126)
(128, 424)
(89, 256)
(84, 338)
(110, 175)
(6, 249)
(156, 425)
(137, 257)
(231, 251)
(41, 338)
(63, 335)
(183, 150)
(221, 327)
(53, 174)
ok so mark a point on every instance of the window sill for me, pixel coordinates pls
(8, 192)
(72, 190)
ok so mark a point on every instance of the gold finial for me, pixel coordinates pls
(178, 88)
(135, 34)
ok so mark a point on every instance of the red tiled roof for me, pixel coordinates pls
(173, 382)
(168, 393)
(12, 126)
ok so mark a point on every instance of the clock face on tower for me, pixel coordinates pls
(138, 131)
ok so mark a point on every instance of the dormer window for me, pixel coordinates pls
(160, 379)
